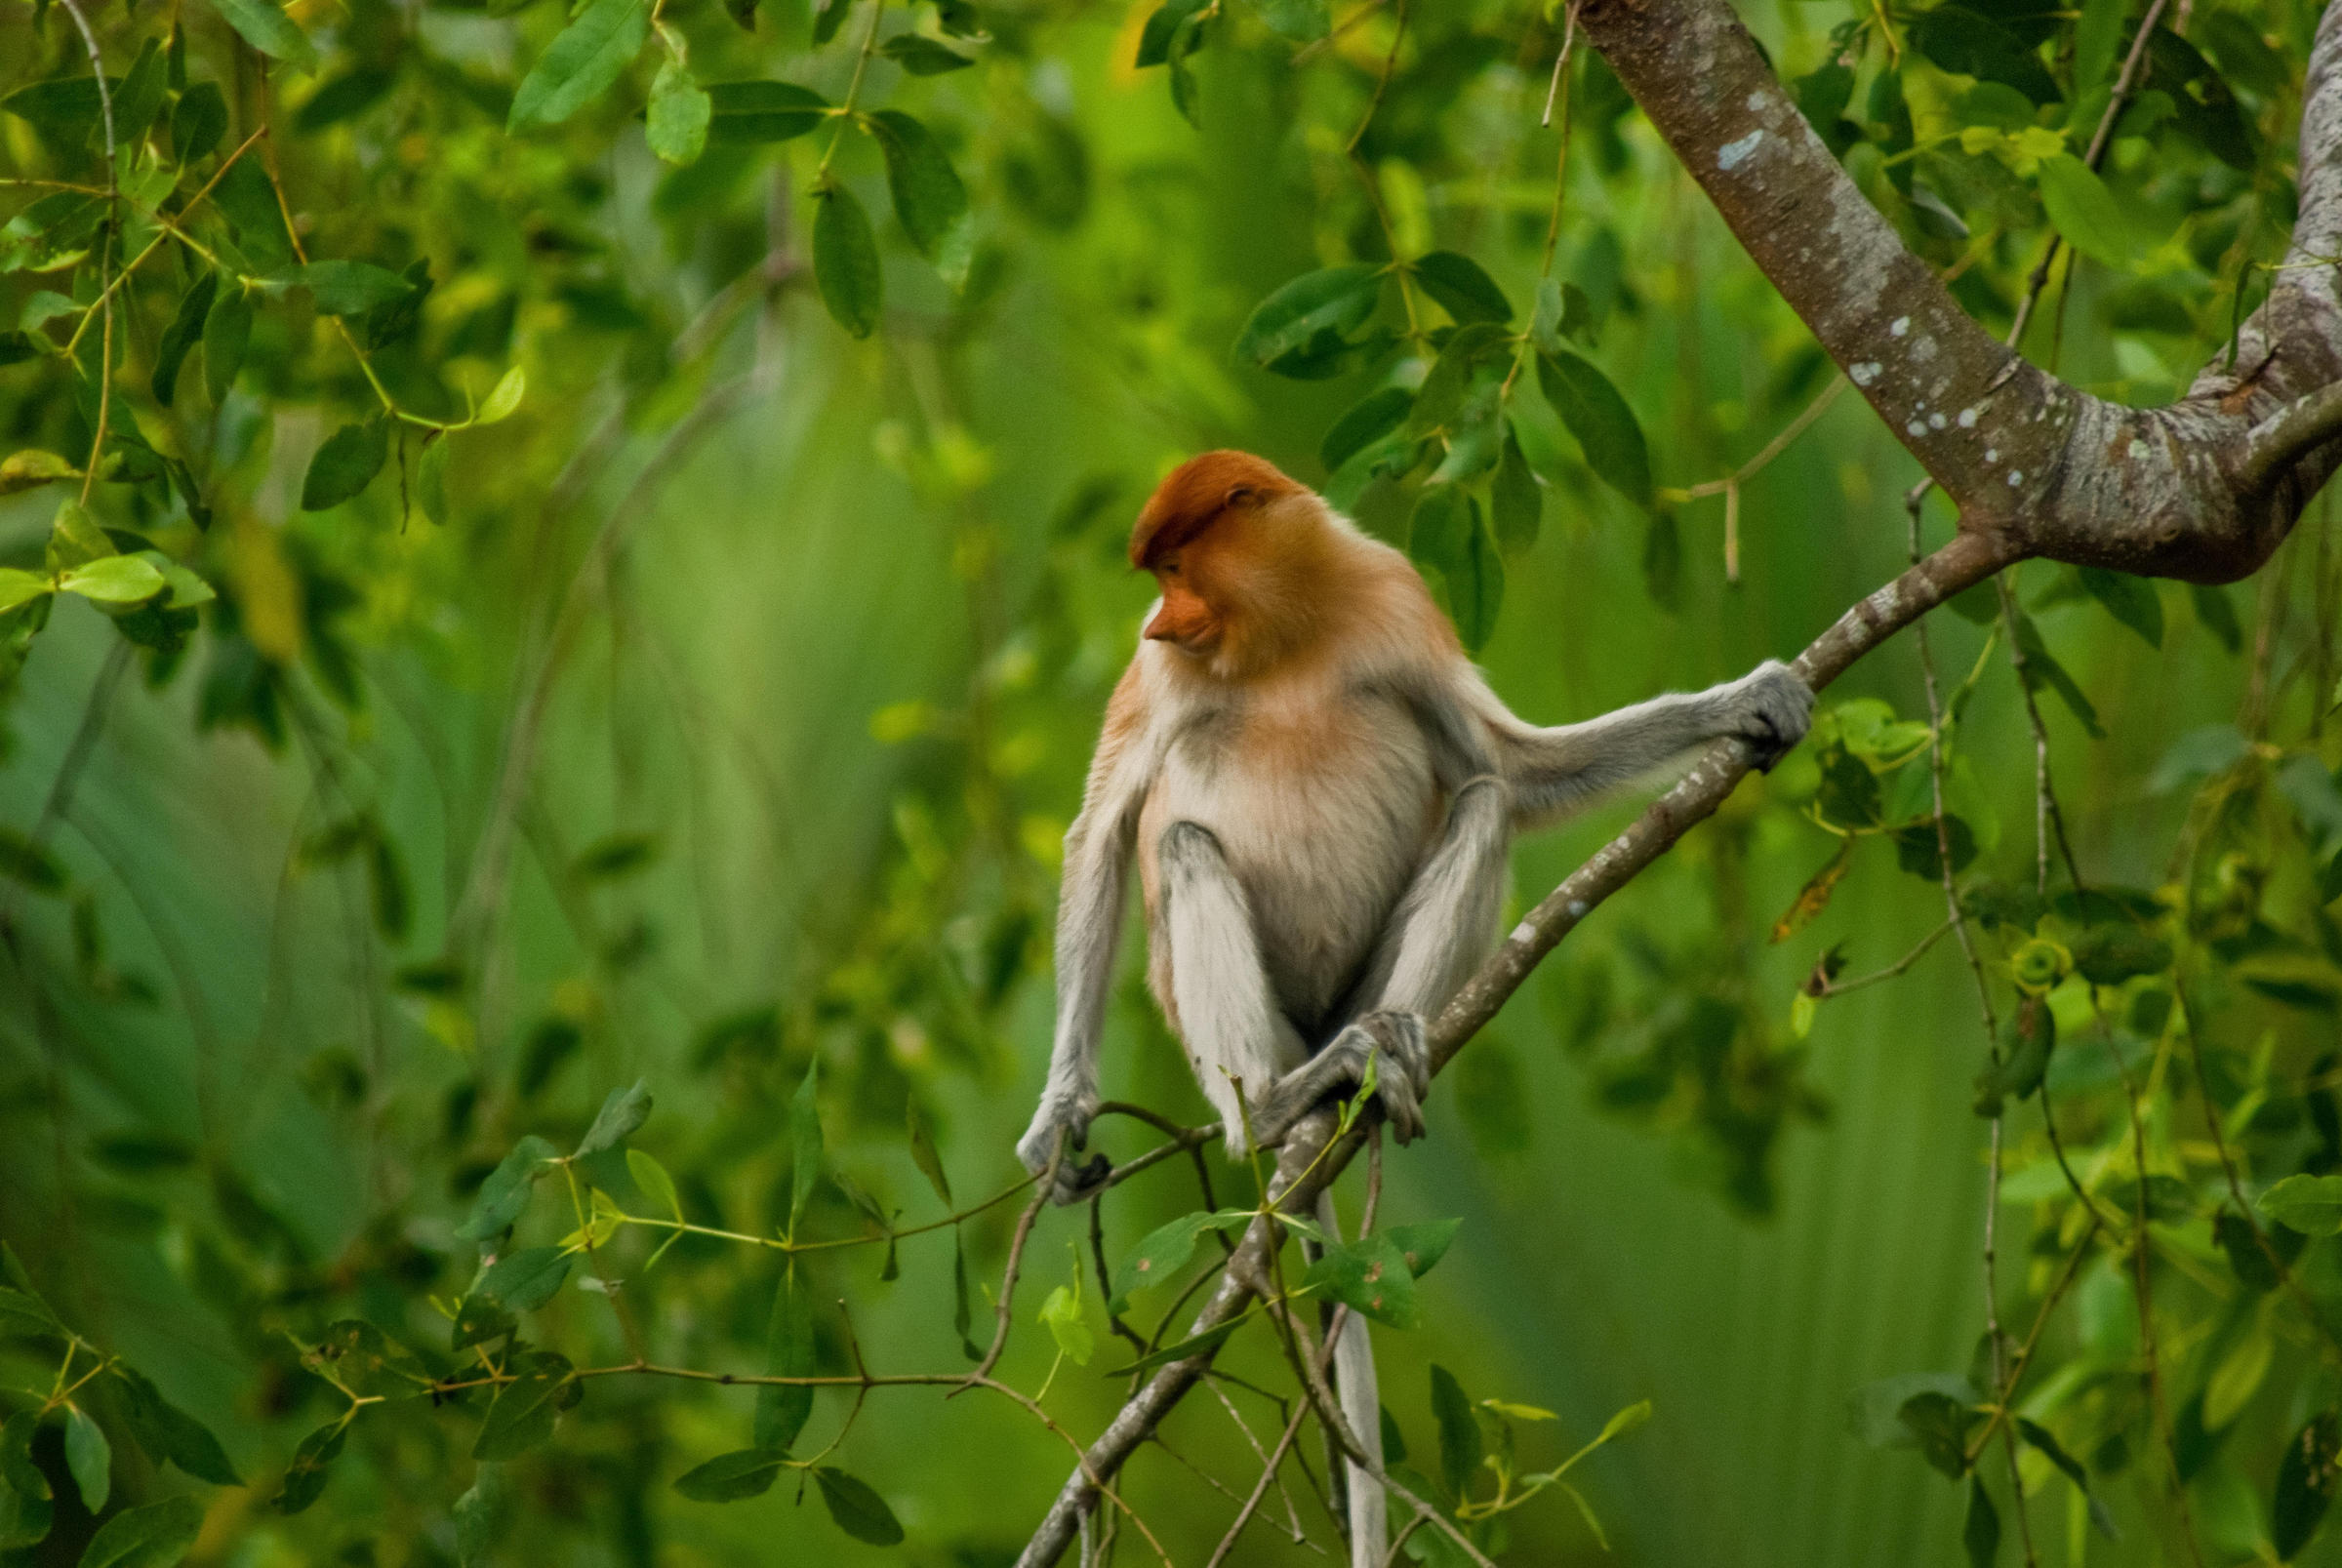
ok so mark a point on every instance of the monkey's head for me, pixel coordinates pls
(1237, 549)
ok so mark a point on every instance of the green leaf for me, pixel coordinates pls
(1185, 39)
(183, 333)
(2217, 614)
(2309, 1204)
(1164, 1251)
(1310, 314)
(504, 398)
(679, 114)
(141, 95)
(2028, 1036)
(525, 1280)
(730, 1477)
(18, 586)
(2307, 1476)
(1441, 397)
(313, 1461)
(68, 106)
(264, 25)
(1940, 1423)
(2087, 214)
(1300, 20)
(198, 122)
(2041, 668)
(366, 1363)
(522, 1416)
(1980, 1532)
(922, 55)
(227, 332)
(1367, 422)
(2131, 600)
(89, 1459)
(346, 465)
(33, 469)
(923, 1153)
(929, 200)
(114, 580)
(348, 287)
(20, 1314)
(156, 1536)
(1211, 1339)
(581, 62)
(622, 1112)
(747, 113)
(1371, 1275)
(1424, 1245)
(2042, 1439)
(782, 1409)
(858, 1511)
(804, 1143)
(430, 480)
(651, 1176)
(1155, 39)
(479, 1515)
(2097, 37)
(2109, 954)
(1436, 528)
(27, 1506)
(75, 538)
(164, 1431)
(845, 262)
(1061, 1313)
(1515, 502)
(505, 1192)
(1462, 288)
(1459, 1431)
(1475, 583)
(1606, 428)
(1967, 44)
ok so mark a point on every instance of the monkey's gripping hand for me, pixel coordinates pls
(1770, 708)
(1394, 1039)
(1076, 1179)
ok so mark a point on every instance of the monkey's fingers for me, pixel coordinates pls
(1076, 1183)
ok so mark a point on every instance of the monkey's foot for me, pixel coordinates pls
(1773, 707)
(1391, 1037)
(1076, 1179)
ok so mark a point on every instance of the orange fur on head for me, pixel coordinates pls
(1240, 550)
(1193, 496)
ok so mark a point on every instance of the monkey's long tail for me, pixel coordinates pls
(1363, 1408)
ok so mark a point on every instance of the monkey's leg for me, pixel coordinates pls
(1438, 934)
(1238, 1041)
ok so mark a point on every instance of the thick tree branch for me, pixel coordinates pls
(2185, 491)
(2203, 490)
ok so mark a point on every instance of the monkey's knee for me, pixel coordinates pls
(1191, 850)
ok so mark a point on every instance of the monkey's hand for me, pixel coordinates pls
(1393, 1038)
(1076, 1179)
(1771, 706)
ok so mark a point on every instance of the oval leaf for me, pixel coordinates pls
(114, 580)
(929, 199)
(754, 112)
(860, 1512)
(1606, 428)
(845, 262)
(581, 62)
(346, 465)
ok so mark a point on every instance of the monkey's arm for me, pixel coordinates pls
(1089, 929)
(1553, 771)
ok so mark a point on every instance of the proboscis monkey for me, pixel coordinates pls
(1320, 791)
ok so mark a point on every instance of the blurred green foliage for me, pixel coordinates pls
(557, 565)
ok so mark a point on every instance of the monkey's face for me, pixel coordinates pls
(1187, 619)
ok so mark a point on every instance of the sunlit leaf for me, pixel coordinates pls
(263, 24)
(581, 64)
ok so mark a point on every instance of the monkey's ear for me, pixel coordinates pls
(1240, 496)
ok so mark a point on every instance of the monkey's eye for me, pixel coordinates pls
(1170, 566)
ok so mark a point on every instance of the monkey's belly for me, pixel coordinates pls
(1324, 854)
